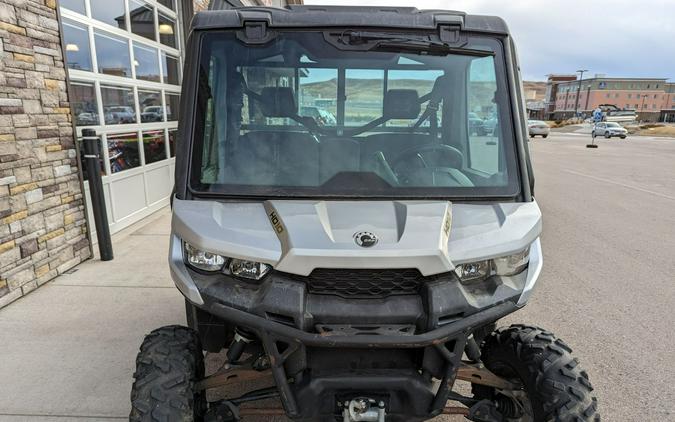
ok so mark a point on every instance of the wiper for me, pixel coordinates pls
(418, 44)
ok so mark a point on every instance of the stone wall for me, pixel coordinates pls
(42, 219)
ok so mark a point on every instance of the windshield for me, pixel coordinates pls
(612, 124)
(301, 117)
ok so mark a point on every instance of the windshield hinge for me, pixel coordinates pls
(255, 32)
(452, 35)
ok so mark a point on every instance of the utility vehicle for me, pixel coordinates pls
(355, 268)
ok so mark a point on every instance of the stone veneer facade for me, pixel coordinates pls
(42, 218)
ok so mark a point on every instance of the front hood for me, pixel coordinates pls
(297, 236)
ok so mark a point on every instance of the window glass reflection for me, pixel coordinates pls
(112, 55)
(151, 106)
(154, 146)
(172, 105)
(123, 151)
(167, 31)
(74, 5)
(78, 53)
(173, 139)
(118, 105)
(146, 62)
(170, 69)
(142, 18)
(109, 11)
(83, 104)
(167, 3)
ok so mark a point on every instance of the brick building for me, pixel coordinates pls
(647, 96)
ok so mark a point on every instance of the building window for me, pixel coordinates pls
(170, 69)
(74, 5)
(123, 151)
(151, 106)
(146, 62)
(110, 12)
(616, 95)
(636, 106)
(173, 136)
(83, 103)
(653, 106)
(78, 52)
(154, 146)
(657, 86)
(167, 31)
(112, 54)
(118, 105)
(142, 18)
(172, 105)
(656, 96)
(630, 96)
(167, 3)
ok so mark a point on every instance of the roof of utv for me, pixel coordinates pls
(347, 16)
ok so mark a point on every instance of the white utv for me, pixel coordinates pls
(358, 264)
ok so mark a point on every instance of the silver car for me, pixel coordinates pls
(609, 129)
(538, 128)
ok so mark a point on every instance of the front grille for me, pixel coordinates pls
(363, 284)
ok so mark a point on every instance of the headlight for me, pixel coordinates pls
(202, 260)
(207, 261)
(248, 269)
(505, 266)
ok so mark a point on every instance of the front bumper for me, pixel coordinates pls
(398, 366)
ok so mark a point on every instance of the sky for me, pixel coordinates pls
(617, 38)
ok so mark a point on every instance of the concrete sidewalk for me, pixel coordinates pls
(67, 349)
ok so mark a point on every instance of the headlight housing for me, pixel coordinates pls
(202, 260)
(210, 262)
(508, 265)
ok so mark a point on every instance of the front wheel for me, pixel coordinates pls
(608, 135)
(544, 136)
(169, 364)
(554, 387)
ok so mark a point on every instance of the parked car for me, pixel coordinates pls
(538, 128)
(152, 114)
(119, 114)
(320, 115)
(608, 130)
(476, 125)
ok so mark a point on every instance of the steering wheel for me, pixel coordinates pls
(441, 167)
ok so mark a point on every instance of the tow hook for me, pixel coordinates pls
(363, 409)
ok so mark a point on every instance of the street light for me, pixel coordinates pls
(576, 103)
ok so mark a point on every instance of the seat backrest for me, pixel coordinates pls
(391, 144)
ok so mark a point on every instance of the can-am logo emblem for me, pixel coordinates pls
(365, 239)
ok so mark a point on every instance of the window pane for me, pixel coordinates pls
(118, 105)
(142, 18)
(364, 91)
(173, 139)
(109, 11)
(167, 3)
(78, 52)
(154, 146)
(83, 103)
(123, 151)
(317, 95)
(484, 148)
(172, 104)
(74, 5)
(151, 106)
(112, 54)
(146, 62)
(170, 69)
(167, 31)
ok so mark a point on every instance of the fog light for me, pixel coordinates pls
(248, 269)
(473, 270)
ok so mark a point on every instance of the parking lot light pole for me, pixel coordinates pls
(576, 103)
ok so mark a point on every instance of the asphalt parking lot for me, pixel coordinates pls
(607, 289)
